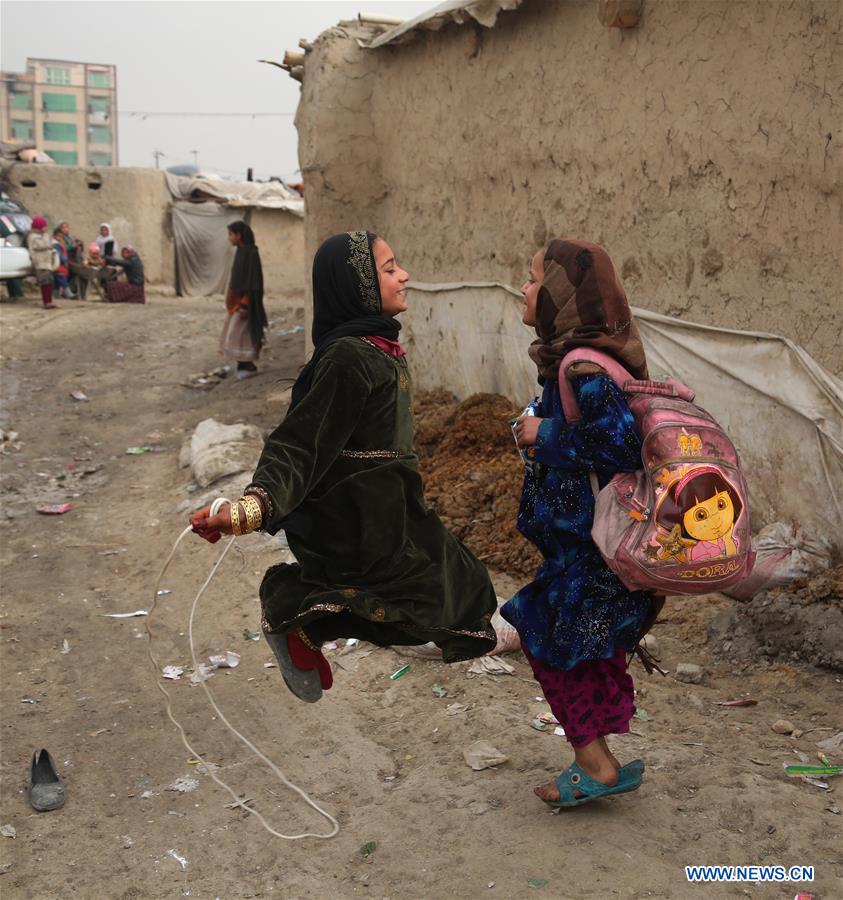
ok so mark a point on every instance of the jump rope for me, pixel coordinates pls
(238, 802)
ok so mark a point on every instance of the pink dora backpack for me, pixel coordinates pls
(680, 524)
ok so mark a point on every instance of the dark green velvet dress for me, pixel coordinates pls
(345, 486)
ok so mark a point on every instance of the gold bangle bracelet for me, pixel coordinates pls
(234, 512)
(254, 514)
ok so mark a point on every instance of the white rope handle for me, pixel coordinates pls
(335, 827)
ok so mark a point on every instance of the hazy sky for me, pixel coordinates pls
(190, 57)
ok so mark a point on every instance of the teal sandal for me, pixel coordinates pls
(574, 779)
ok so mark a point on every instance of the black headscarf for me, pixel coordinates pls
(346, 299)
(247, 278)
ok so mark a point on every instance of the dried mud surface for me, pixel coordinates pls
(383, 756)
(802, 622)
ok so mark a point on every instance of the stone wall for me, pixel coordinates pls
(702, 148)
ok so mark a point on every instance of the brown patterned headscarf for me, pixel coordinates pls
(581, 303)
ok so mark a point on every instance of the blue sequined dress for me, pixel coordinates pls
(575, 608)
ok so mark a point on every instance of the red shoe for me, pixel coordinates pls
(305, 658)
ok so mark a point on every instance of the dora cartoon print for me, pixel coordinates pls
(698, 511)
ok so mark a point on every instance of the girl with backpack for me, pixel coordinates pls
(576, 620)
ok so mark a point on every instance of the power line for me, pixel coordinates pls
(250, 115)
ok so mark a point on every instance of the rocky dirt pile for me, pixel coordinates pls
(472, 475)
(802, 622)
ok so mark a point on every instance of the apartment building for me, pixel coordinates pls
(68, 109)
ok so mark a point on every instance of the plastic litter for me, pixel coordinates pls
(79, 395)
(482, 755)
(832, 743)
(184, 785)
(65, 646)
(813, 770)
(136, 451)
(178, 858)
(439, 691)
(559, 731)
(249, 634)
(53, 509)
(163, 592)
(641, 714)
(173, 673)
(454, 709)
(202, 673)
(128, 615)
(490, 665)
(399, 672)
(536, 882)
(539, 725)
(227, 660)
(8, 831)
(736, 703)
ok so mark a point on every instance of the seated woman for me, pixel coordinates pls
(131, 290)
(340, 476)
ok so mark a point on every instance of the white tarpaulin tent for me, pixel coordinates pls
(781, 408)
(202, 208)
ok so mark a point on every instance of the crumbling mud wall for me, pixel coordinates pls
(702, 148)
(135, 202)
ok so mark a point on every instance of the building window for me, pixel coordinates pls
(65, 157)
(59, 131)
(99, 105)
(21, 100)
(100, 159)
(99, 134)
(58, 102)
(22, 131)
(57, 75)
(99, 79)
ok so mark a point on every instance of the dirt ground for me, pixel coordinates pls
(384, 757)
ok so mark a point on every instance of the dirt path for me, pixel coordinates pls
(384, 757)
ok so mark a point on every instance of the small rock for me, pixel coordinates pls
(782, 726)
(651, 644)
(689, 673)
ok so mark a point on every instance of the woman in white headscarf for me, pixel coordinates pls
(106, 241)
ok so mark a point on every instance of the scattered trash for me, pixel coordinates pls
(148, 795)
(136, 451)
(482, 755)
(813, 770)
(399, 672)
(759, 762)
(834, 810)
(204, 381)
(98, 732)
(239, 804)
(454, 709)
(352, 642)
(128, 615)
(28, 700)
(202, 673)
(296, 329)
(536, 882)
(420, 651)
(120, 354)
(539, 725)
(163, 592)
(179, 859)
(8, 831)
(227, 660)
(184, 785)
(53, 509)
(368, 848)
(490, 665)
(438, 690)
(736, 703)
(689, 673)
(65, 646)
(549, 718)
(831, 743)
(174, 673)
(78, 395)
(249, 634)
(270, 665)
(782, 726)
(803, 757)
(641, 714)
(508, 640)
(559, 731)
(330, 645)
(127, 842)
